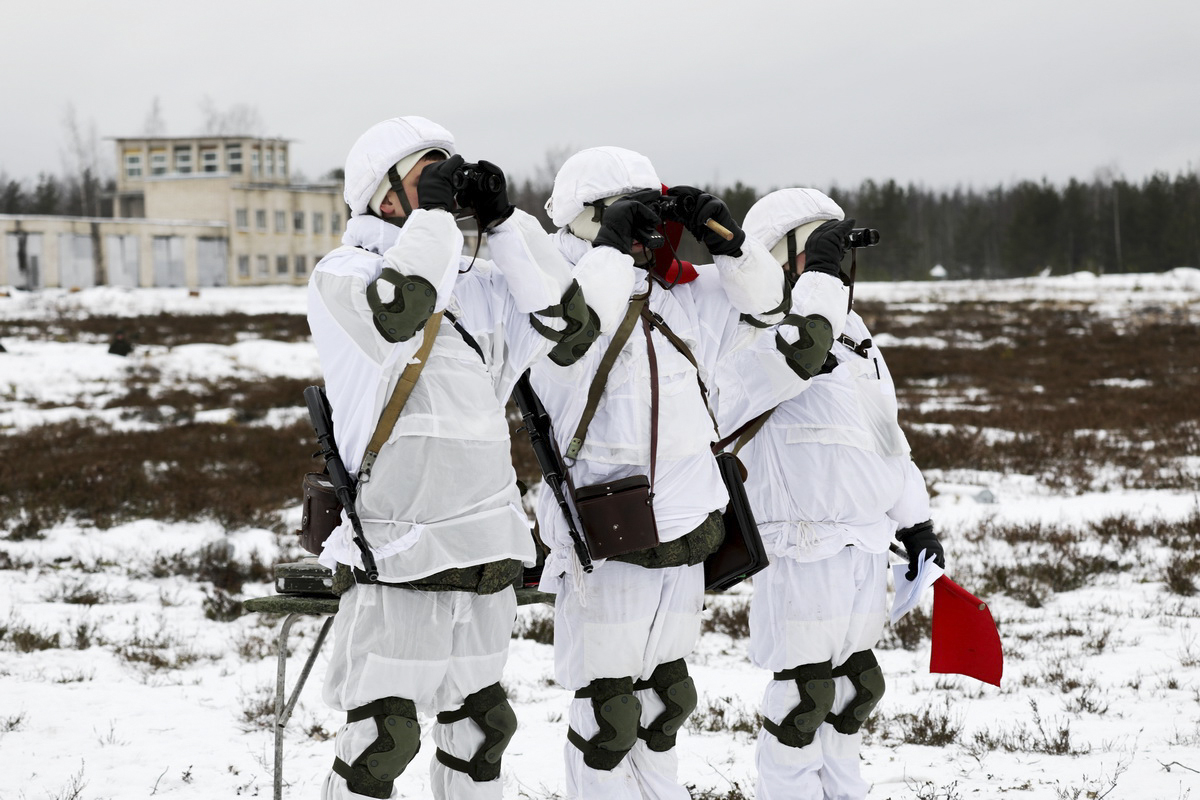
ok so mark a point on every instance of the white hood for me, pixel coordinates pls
(382, 146)
(594, 174)
(770, 219)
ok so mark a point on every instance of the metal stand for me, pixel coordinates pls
(296, 606)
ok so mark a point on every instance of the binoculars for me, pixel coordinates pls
(470, 177)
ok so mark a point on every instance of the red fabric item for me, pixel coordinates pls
(965, 639)
(665, 265)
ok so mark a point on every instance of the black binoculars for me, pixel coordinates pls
(862, 237)
(470, 177)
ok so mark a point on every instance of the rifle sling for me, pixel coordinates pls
(400, 395)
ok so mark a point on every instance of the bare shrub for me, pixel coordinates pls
(238, 475)
(219, 606)
(24, 638)
(730, 618)
(216, 563)
(721, 715)
(1054, 739)
(908, 632)
(537, 627)
(84, 593)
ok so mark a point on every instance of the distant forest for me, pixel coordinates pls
(1009, 231)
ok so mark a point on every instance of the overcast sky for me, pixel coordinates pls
(771, 93)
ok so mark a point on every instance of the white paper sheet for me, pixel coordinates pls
(909, 593)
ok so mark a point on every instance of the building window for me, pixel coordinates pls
(133, 165)
(269, 163)
(281, 265)
(261, 262)
(233, 159)
(254, 162)
(242, 218)
(283, 163)
(158, 162)
(260, 219)
(183, 159)
(208, 160)
(301, 265)
(243, 266)
(298, 221)
(318, 222)
(281, 222)
(335, 222)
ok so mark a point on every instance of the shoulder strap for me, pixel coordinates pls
(744, 434)
(601, 380)
(657, 321)
(404, 388)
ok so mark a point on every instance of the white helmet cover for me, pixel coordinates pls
(594, 174)
(383, 145)
(801, 210)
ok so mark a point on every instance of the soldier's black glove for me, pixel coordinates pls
(491, 205)
(435, 187)
(625, 222)
(918, 538)
(695, 208)
(826, 247)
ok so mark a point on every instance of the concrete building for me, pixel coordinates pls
(188, 211)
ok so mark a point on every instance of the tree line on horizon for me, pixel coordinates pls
(1103, 226)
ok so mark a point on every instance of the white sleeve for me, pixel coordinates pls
(753, 281)
(429, 247)
(536, 273)
(606, 276)
(818, 294)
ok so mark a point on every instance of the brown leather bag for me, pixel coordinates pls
(322, 512)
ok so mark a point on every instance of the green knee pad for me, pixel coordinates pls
(617, 712)
(489, 709)
(807, 356)
(799, 727)
(673, 685)
(866, 675)
(374, 771)
(411, 306)
(581, 329)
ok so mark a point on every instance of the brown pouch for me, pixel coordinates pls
(322, 512)
(741, 554)
(617, 517)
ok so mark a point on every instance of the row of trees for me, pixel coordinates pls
(1106, 225)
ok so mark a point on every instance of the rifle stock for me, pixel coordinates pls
(321, 416)
(540, 428)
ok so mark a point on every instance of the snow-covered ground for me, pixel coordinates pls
(146, 696)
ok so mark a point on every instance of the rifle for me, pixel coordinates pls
(343, 485)
(540, 428)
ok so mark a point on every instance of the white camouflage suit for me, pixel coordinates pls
(830, 481)
(624, 620)
(443, 492)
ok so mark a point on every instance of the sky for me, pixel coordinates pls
(939, 93)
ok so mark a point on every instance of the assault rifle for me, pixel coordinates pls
(540, 428)
(343, 485)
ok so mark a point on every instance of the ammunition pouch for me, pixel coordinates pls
(409, 309)
(808, 355)
(799, 726)
(677, 690)
(374, 771)
(865, 674)
(581, 328)
(617, 712)
(489, 709)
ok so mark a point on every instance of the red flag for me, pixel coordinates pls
(965, 639)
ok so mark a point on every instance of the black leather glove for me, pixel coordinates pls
(625, 222)
(694, 208)
(435, 187)
(491, 204)
(917, 538)
(826, 247)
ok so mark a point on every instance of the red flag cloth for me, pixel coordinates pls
(965, 639)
